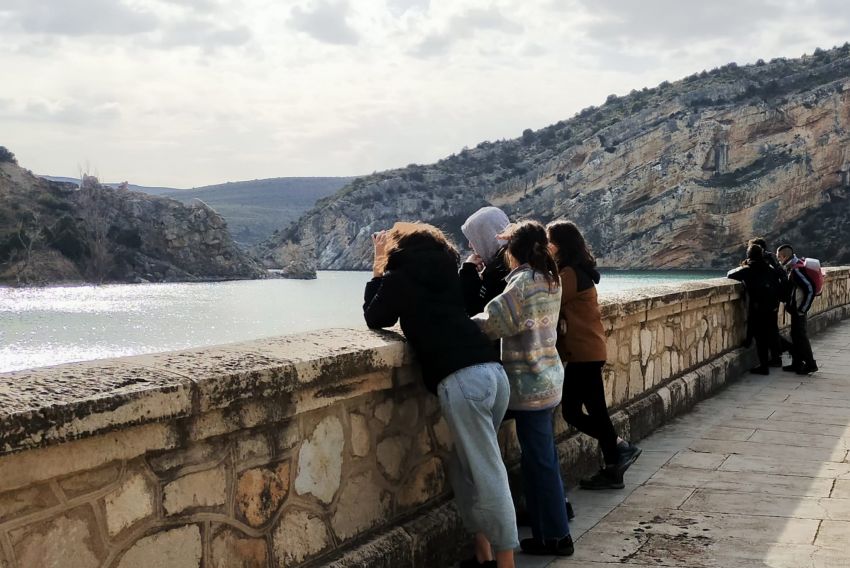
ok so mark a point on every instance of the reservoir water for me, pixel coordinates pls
(48, 326)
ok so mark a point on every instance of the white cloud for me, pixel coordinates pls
(326, 21)
(189, 92)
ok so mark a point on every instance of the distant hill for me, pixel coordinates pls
(52, 232)
(253, 209)
(677, 176)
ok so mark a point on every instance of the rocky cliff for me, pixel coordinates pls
(54, 232)
(678, 176)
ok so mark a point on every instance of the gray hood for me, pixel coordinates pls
(481, 229)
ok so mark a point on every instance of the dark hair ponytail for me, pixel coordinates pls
(528, 244)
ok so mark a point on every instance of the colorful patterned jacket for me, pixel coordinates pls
(525, 318)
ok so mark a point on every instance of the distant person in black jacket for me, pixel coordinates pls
(416, 282)
(764, 292)
(798, 304)
(483, 274)
(777, 344)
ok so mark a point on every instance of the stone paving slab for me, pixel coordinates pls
(757, 476)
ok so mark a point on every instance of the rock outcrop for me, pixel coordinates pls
(678, 176)
(53, 232)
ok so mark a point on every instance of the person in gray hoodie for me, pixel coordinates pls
(483, 274)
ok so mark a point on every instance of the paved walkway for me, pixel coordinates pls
(757, 476)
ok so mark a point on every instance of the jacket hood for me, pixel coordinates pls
(591, 272)
(481, 229)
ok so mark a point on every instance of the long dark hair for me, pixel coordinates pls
(527, 244)
(570, 247)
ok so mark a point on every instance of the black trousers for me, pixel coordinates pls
(764, 328)
(801, 349)
(583, 386)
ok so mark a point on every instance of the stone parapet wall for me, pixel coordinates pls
(294, 450)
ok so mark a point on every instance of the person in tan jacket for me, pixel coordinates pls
(581, 345)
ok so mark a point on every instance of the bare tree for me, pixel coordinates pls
(20, 259)
(94, 212)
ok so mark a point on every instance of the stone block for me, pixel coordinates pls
(391, 453)
(132, 501)
(286, 435)
(202, 489)
(408, 414)
(423, 443)
(200, 453)
(90, 481)
(635, 379)
(27, 500)
(384, 411)
(427, 481)
(298, 536)
(666, 366)
(668, 337)
(362, 504)
(438, 537)
(361, 437)
(443, 434)
(388, 550)
(252, 447)
(656, 372)
(650, 375)
(260, 492)
(175, 548)
(624, 355)
(645, 345)
(233, 549)
(309, 399)
(320, 461)
(67, 541)
(26, 468)
(635, 341)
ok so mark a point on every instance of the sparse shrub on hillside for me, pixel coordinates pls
(7, 156)
(528, 136)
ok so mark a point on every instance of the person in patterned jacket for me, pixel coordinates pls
(525, 318)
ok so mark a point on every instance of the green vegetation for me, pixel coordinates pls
(7, 156)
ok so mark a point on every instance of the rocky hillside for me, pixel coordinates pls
(54, 232)
(678, 176)
(253, 209)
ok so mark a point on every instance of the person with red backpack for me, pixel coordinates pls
(806, 281)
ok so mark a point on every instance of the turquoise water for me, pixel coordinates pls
(48, 326)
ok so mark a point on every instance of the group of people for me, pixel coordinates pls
(510, 335)
(770, 280)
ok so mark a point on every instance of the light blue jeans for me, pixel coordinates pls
(474, 401)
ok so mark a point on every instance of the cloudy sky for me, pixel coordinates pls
(191, 92)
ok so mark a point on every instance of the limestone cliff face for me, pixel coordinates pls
(673, 177)
(52, 232)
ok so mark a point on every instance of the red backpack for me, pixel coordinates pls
(812, 268)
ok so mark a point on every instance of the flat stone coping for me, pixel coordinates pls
(49, 405)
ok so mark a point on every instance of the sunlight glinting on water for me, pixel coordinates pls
(49, 326)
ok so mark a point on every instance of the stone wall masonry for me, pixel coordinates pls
(315, 449)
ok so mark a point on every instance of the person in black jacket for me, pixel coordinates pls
(798, 304)
(416, 283)
(777, 344)
(483, 274)
(764, 292)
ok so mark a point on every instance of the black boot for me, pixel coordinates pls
(609, 477)
(549, 547)
(629, 453)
